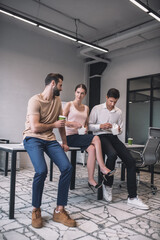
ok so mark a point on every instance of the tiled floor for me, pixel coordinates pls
(96, 219)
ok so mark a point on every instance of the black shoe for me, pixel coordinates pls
(105, 176)
(94, 188)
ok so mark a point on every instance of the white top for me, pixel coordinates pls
(100, 115)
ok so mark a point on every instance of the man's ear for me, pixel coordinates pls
(53, 84)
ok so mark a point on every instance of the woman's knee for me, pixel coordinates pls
(91, 149)
(97, 140)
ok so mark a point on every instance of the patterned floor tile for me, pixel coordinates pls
(95, 219)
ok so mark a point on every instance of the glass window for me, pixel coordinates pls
(139, 96)
(156, 108)
(156, 82)
(140, 83)
(138, 116)
(143, 107)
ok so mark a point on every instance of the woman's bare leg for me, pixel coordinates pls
(97, 144)
(91, 161)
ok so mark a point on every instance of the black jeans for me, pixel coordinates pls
(113, 147)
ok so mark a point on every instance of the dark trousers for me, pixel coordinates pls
(36, 148)
(113, 147)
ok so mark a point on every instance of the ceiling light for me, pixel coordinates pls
(93, 46)
(17, 17)
(24, 20)
(58, 33)
(50, 29)
(7, 13)
(139, 4)
(146, 8)
(154, 16)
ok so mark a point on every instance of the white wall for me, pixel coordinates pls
(27, 55)
(135, 64)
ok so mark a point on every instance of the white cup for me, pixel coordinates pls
(81, 131)
(114, 129)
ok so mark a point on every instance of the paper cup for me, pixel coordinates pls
(114, 129)
(130, 141)
(81, 131)
(62, 117)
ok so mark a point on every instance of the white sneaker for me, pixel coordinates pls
(137, 203)
(107, 193)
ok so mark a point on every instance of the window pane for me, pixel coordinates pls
(140, 96)
(141, 83)
(141, 112)
(138, 122)
(156, 108)
(156, 81)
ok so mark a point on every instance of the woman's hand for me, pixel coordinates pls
(77, 125)
(86, 129)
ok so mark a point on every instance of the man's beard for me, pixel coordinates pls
(56, 92)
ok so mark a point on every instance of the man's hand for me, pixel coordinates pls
(59, 124)
(105, 126)
(65, 147)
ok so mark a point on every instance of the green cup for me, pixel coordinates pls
(61, 117)
(130, 141)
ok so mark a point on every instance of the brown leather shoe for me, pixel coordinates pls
(64, 218)
(36, 218)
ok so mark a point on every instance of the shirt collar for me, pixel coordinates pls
(113, 110)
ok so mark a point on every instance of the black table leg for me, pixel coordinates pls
(73, 162)
(6, 165)
(12, 185)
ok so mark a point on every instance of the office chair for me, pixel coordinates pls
(149, 156)
(154, 132)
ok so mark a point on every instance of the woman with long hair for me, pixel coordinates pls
(77, 120)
